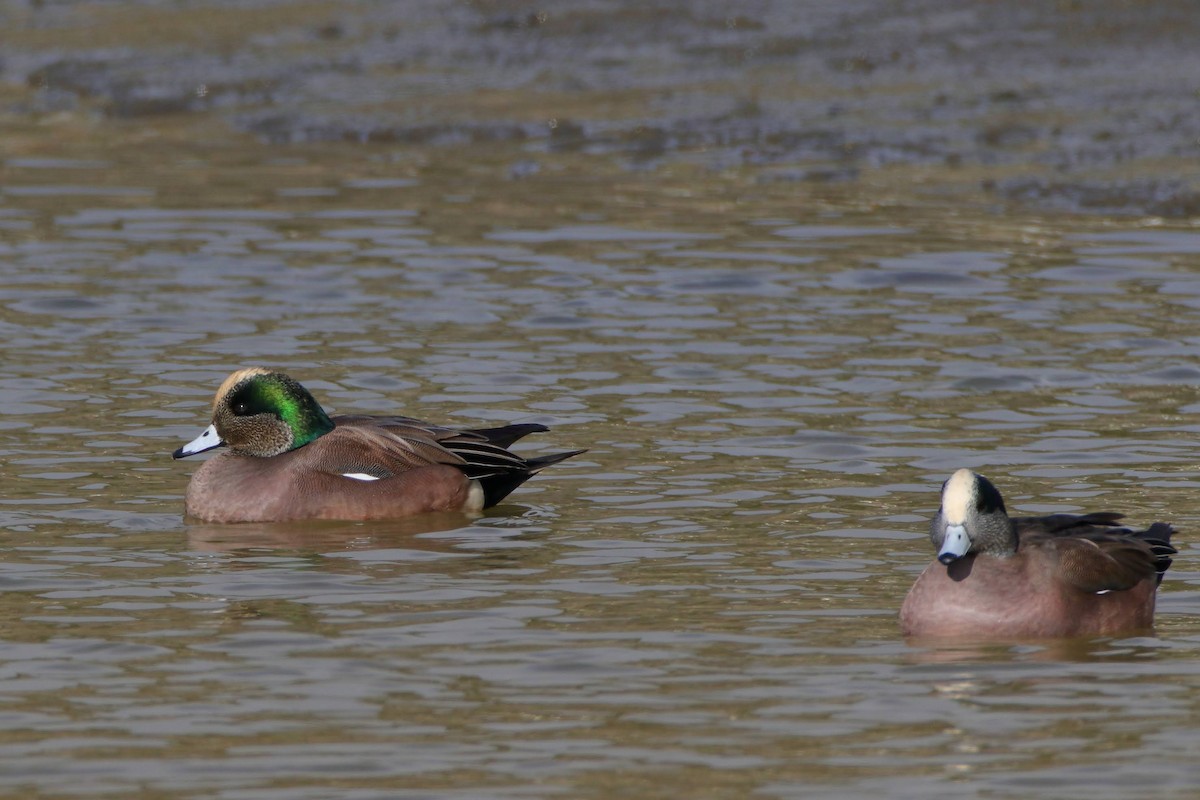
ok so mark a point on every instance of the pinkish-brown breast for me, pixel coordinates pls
(983, 597)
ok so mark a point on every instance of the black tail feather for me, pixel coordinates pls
(486, 458)
(1158, 536)
(498, 480)
(505, 435)
(498, 487)
(541, 462)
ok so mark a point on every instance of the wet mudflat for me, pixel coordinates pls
(781, 272)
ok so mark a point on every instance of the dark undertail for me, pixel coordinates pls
(499, 484)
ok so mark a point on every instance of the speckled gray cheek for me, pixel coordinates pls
(937, 529)
(262, 435)
(995, 534)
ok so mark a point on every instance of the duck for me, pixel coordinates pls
(285, 459)
(1062, 575)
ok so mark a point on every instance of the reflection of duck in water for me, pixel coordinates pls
(288, 460)
(409, 535)
(1060, 575)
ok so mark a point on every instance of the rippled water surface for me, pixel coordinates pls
(773, 375)
(772, 386)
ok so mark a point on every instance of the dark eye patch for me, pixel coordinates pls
(250, 400)
(988, 498)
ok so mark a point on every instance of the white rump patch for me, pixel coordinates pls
(474, 497)
(359, 476)
(958, 496)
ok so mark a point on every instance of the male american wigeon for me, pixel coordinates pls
(1002, 577)
(288, 460)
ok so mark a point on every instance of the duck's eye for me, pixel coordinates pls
(241, 409)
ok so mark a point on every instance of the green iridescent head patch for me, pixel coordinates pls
(277, 394)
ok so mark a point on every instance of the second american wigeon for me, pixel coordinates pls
(1061, 575)
(288, 460)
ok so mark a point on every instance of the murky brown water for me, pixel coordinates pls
(774, 367)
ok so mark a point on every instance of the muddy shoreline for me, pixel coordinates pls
(1073, 107)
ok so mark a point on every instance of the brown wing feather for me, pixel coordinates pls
(384, 447)
(1128, 546)
(1099, 561)
(1068, 524)
(479, 453)
(502, 437)
(402, 426)
(378, 451)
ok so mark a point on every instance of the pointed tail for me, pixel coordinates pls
(500, 484)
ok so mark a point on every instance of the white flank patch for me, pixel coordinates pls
(958, 496)
(359, 476)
